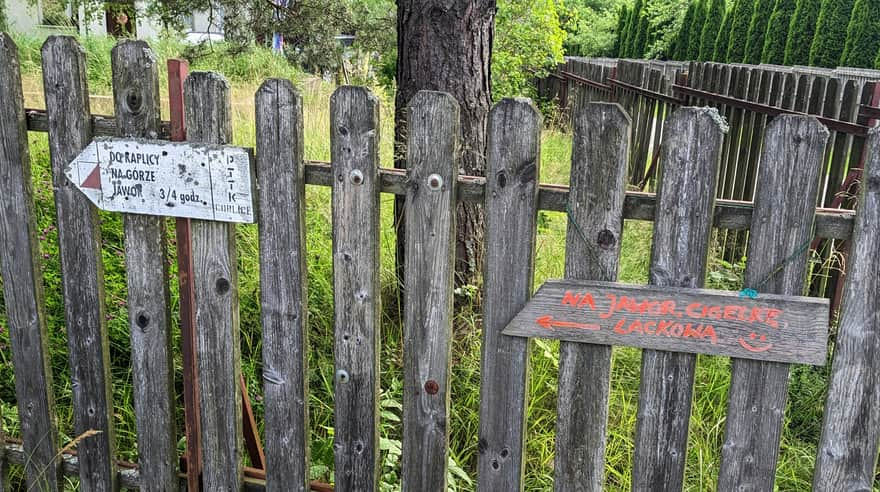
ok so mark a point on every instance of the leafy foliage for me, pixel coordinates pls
(777, 32)
(632, 43)
(622, 15)
(739, 30)
(664, 20)
(696, 30)
(757, 30)
(719, 53)
(714, 18)
(682, 42)
(830, 38)
(593, 28)
(863, 35)
(800, 34)
(528, 42)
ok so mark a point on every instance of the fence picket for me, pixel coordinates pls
(79, 238)
(600, 156)
(354, 147)
(136, 97)
(215, 281)
(513, 164)
(432, 154)
(691, 153)
(790, 161)
(847, 452)
(22, 283)
(283, 289)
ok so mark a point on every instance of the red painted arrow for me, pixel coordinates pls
(548, 323)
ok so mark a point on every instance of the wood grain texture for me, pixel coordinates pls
(691, 154)
(215, 280)
(79, 238)
(432, 154)
(513, 160)
(22, 282)
(283, 288)
(354, 150)
(847, 455)
(136, 97)
(102, 126)
(600, 155)
(794, 147)
(697, 321)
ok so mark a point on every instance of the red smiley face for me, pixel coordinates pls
(752, 348)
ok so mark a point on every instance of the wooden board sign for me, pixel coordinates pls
(198, 181)
(770, 327)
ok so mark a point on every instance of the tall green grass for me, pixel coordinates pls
(712, 378)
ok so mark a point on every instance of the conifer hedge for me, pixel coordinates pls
(777, 32)
(830, 37)
(719, 53)
(739, 30)
(682, 41)
(696, 30)
(800, 34)
(714, 18)
(862, 35)
(763, 9)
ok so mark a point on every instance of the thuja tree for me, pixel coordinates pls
(641, 39)
(777, 32)
(714, 18)
(800, 34)
(620, 38)
(719, 53)
(739, 30)
(830, 38)
(629, 31)
(682, 42)
(862, 35)
(757, 30)
(696, 30)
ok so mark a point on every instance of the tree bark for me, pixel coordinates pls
(446, 45)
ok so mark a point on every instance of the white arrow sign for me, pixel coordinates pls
(199, 181)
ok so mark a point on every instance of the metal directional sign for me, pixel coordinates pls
(199, 181)
(700, 321)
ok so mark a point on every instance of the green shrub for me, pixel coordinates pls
(800, 34)
(719, 52)
(739, 30)
(682, 41)
(830, 38)
(862, 35)
(757, 31)
(620, 38)
(696, 30)
(711, 28)
(641, 41)
(777, 32)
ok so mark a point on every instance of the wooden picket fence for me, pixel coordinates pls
(684, 211)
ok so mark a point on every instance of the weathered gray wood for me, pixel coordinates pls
(691, 154)
(79, 238)
(136, 97)
(208, 120)
(513, 162)
(600, 154)
(432, 154)
(847, 455)
(794, 147)
(697, 321)
(283, 291)
(22, 282)
(101, 125)
(354, 148)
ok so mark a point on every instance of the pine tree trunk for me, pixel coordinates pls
(446, 46)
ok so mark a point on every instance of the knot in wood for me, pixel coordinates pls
(431, 387)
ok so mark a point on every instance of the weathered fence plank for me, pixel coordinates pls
(847, 453)
(215, 280)
(790, 161)
(600, 156)
(136, 97)
(691, 153)
(283, 288)
(79, 238)
(354, 148)
(432, 154)
(22, 282)
(513, 164)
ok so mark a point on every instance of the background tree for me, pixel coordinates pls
(800, 34)
(665, 19)
(696, 30)
(620, 36)
(763, 9)
(446, 46)
(632, 27)
(682, 41)
(714, 19)
(830, 38)
(739, 30)
(641, 42)
(528, 42)
(862, 35)
(719, 52)
(777, 32)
